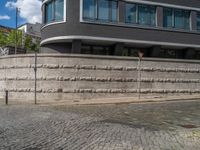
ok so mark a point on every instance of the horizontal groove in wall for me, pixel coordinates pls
(102, 90)
(93, 67)
(97, 79)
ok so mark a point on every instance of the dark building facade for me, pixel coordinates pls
(160, 28)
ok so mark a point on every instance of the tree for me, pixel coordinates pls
(9, 39)
(31, 44)
(28, 43)
(3, 40)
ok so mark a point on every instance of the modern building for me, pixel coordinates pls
(32, 30)
(160, 28)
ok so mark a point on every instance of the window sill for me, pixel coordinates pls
(52, 23)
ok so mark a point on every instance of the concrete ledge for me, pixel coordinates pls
(103, 101)
(101, 57)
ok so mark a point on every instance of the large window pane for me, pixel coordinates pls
(54, 11)
(167, 17)
(49, 12)
(176, 18)
(182, 19)
(146, 15)
(179, 19)
(89, 9)
(59, 10)
(130, 13)
(198, 21)
(187, 19)
(103, 10)
(114, 9)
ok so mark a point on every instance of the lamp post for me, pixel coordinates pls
(16, 28)
(35, 71)
(140, 54)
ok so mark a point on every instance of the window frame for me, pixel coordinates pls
(173, 19)
(96, 17)
(137, 14)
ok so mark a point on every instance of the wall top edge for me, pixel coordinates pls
(99, 57)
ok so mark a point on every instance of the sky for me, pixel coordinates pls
(30, 11)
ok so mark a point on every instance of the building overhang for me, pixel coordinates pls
(106, 40)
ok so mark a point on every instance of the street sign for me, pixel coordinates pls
(140, 54)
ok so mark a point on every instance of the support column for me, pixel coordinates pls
(76, 46)
(155, 51)
(119, 49)
(180, 54)
(190, 53)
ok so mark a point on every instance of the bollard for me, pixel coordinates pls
(6, 97)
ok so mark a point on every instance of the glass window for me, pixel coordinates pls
(54, 11)
(103, 10)
(198, 21)
(49, 12)
(146, 15)
(114, 11)
(167, 17)
(89, 9)
(59, 9)
(130, 13)
(140, 14)
(176, 18)
(181, 19)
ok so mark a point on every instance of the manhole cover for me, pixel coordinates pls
(188, 126)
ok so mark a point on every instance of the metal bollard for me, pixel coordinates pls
(6, 97)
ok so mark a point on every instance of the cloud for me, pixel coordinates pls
(30, 10)
(4, 17)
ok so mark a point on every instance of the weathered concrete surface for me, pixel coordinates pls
(113, 127)
(67, 77)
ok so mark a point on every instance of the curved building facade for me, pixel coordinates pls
(160, 28)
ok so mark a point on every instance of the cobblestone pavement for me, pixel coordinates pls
(158, 126)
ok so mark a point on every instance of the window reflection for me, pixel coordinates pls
(140, 14)
(89, 9)
(146, 15)
(54, 11)
(130, 13)
(102, 10)
(176, 18)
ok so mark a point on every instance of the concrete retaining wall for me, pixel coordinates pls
(66, 77)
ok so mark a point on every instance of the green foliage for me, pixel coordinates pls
(9, 39)
(28, 43)
(31, 45)
(3, 41)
